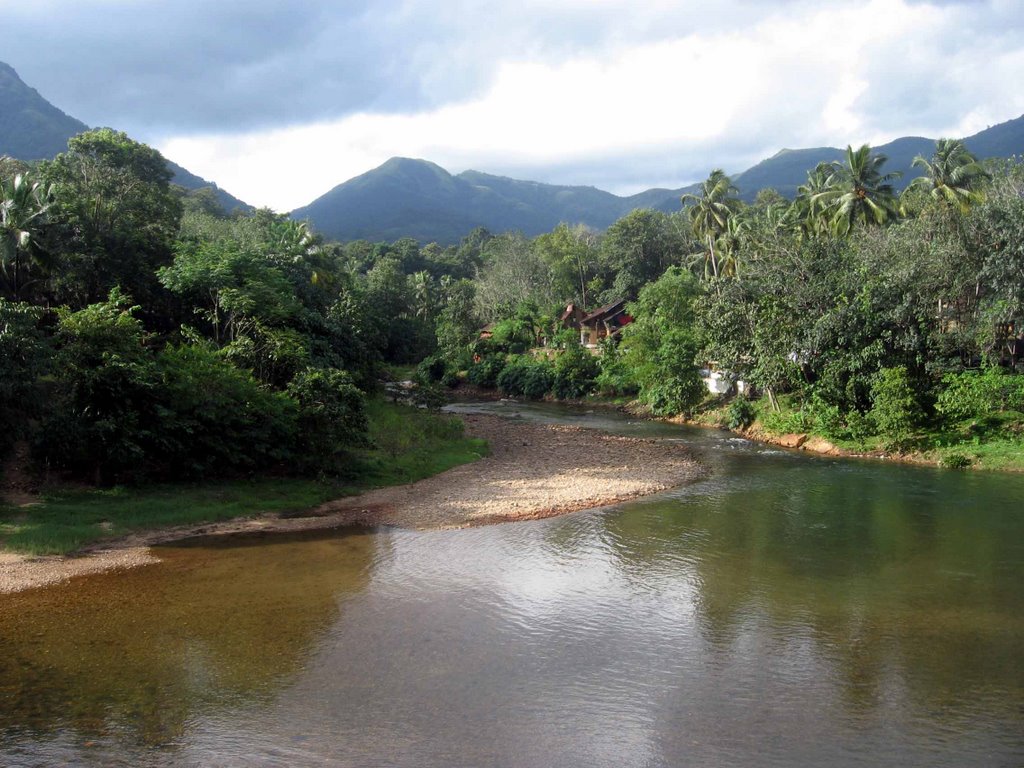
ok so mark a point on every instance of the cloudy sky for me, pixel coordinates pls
(280, 100)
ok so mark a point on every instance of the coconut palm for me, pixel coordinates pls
(815, 197)
(23, 207)
(862, 193)
(710, 212)
(953, 174)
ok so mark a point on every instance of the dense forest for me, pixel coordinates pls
(146, 334)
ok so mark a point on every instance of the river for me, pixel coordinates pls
(789, 610)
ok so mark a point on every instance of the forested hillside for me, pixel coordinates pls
(148, 335)
(31, 128)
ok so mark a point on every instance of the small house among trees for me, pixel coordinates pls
(604, 322)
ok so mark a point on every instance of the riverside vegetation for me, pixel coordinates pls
(147, 336)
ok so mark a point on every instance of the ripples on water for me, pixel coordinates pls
(785, 611)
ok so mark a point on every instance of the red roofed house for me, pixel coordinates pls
(604, 322)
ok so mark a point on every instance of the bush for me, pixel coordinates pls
(741, 413)
(331, 417)
(431, 369)
(895, 409)
(978, 394)
(24, 357)
(615, 376)
(212, 418)
(670, 382)
(956, 461)
(527, 378)
(484, 372)
(576, 372)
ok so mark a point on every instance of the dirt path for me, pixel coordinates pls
(533, 471)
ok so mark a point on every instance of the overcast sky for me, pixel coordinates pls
(280, 100)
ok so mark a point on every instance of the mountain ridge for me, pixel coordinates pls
(31, 128)
(391, 201)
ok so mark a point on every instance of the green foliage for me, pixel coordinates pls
(740, 413)
(661, 345)
(213, 419)
(525, 377)
(24, 357)
(485, 371)
(417, 436)
(979, 394)
(576, 372)
(638, 248)
(331, 417)
(616, 376)
(895, 408)
(105, 376)
(956, 461)
(114, 218)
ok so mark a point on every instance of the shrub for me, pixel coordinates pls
(527, 378)
(741, 413)
(978, 394)
(895, 409)
(331, 417)
(431, 369)
(24, 357)
(956, 461)
(213, 418)
(615, 376)
(576, 372)
(484, 373)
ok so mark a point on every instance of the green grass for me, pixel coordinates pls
(409, 444)
(994, 443)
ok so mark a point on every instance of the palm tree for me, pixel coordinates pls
(710, 212)
(815, 197)
(23, 207)
(863, 193)
(953, 174)
(730, 243)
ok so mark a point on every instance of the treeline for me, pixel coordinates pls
(147, 334)
(853, 311)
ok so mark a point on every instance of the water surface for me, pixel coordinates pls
(789, 610)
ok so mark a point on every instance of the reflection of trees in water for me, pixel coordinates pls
(914, 585)
(144, 651)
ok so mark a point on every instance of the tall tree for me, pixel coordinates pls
(952, 175)
(710, 212)
(115, 217)
(862, 193)
(23, 207)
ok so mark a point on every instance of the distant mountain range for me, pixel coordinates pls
(31, 128)
(416, 198)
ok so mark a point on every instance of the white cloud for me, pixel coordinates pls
(804, 76)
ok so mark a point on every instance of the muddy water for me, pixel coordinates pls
(787, 611)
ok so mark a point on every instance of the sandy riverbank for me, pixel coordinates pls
(533, 471)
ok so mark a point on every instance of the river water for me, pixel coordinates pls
(787, 611)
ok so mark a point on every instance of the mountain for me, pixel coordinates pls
(31, 128)
(787, 170)
(418, 199)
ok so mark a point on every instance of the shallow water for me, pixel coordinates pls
(789, 610)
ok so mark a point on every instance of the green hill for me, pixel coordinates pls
(31, 128)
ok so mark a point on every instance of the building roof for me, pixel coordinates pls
(608, 309)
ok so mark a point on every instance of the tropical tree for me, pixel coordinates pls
(858, 192)
(952, 175)
(814, 198)
(23, 207)
(710, 212)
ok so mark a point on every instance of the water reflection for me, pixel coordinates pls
(786, 611)
(141, 654)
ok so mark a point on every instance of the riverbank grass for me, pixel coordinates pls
(996, 443)
(407, 444)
